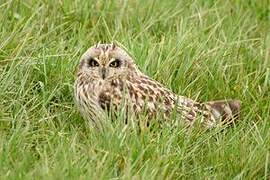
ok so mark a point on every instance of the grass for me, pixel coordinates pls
(203, 49)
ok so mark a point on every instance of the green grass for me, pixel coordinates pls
(203, 49)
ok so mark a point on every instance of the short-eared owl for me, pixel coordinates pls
(108, 76)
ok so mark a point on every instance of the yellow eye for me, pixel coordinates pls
(116, 63)
(93, 63)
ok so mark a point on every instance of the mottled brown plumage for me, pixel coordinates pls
(109, 80)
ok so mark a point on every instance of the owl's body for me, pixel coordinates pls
(109, 80)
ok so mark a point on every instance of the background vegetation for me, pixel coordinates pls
(203, 49)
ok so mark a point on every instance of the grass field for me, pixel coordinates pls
(203, 49)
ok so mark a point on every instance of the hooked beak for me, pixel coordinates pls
(103, 72)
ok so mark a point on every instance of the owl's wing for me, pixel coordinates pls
(224, 111)
(210, 113)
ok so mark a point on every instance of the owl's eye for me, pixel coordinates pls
(93, 63)
(116, 63)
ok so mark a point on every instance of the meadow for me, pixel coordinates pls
(202, 49)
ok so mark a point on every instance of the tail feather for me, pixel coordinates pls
(224, 111)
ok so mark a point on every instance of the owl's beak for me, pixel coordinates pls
(103, 72)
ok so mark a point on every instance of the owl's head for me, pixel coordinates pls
(106, 62)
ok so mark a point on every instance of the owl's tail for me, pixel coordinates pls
(223, 112)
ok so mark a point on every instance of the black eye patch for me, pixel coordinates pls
(93, 63)
(115, 64)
